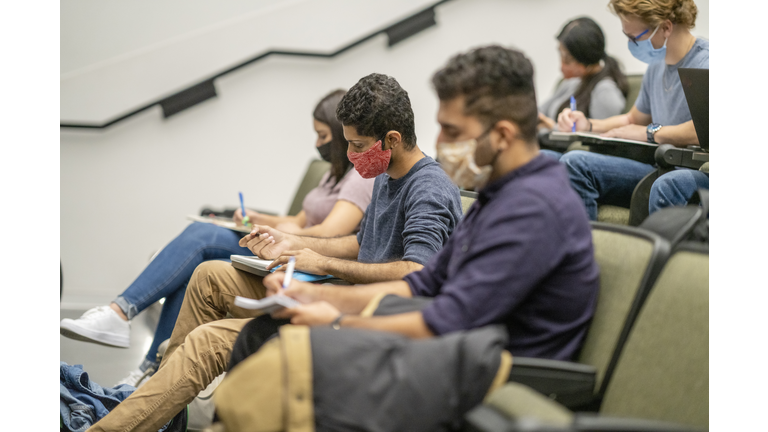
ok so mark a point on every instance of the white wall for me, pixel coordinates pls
(125, 190)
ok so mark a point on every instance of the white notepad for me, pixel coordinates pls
(222, 222)
(267, 304)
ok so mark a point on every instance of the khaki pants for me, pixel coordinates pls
(198, 352)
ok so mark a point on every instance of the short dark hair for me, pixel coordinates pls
(497, 84)
(325, 112)
(376, 105)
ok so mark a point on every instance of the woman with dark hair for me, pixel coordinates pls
(590, 75)
(335, 207)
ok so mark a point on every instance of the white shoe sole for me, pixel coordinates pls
(70, 329)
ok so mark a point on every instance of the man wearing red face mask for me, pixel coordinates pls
(413, 210)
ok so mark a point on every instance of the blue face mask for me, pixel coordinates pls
(644, 50)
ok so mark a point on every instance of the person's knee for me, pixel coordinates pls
(201, 231)
(577, 161)
(204, 273)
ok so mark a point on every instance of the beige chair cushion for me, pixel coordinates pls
(613, 214)
(623, 260)
(663, 372)
(517, 402)
(315, 171)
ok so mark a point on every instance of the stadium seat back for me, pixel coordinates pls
(663, 370)
(315, 171)
(629, 260)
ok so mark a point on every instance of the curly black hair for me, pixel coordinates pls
(376, 105)
(497, 84)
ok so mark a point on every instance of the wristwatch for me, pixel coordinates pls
(651, 131)
(336, 324)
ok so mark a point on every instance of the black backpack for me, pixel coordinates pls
(682, 223)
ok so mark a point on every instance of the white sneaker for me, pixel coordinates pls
(100, 325)
(136, 378)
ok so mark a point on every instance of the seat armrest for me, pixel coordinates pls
(570, 384)
(628, 149)
(229, 212)
(669, 156)
(593, 423)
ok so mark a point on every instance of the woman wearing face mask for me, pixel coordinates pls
(658, 33)
(591, 76)
(335, 207)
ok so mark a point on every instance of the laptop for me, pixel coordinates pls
(696, 88)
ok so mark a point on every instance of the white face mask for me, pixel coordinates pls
(458, 161)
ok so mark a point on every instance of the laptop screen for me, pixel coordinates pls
(696, 88)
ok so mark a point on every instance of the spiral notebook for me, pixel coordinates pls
(222, 222)
(258, 266)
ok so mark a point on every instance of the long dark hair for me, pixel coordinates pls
(585, 41)
(325, 112)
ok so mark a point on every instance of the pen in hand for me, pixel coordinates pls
(242, 209)
(573, 108)
(289, 272)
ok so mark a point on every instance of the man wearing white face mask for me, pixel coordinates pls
(521, 257)
(660, 36)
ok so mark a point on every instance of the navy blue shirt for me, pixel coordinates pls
(409, 218)
(521, 257)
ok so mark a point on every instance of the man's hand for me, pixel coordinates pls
(307, 261)
(631, 132)
(266, 242)
(566, 118)
(303, 292)
(312, 314)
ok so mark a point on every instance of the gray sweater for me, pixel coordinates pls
(605, 101)
(409, 218)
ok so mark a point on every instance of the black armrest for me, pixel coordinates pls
(570, 384)
(486, 419)
(229, 212)
(547, 143)
(628, 149)
(592, 423)
(669, 156)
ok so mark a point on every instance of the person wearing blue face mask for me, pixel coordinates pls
(660, 36)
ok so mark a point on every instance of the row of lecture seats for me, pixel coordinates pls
(666, 157)
(645, 362)
(645, 355)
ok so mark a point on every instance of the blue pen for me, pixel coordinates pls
(242, 209)
(573, 108)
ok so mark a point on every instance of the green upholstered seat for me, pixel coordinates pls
(315, 171)
(634, 90)
(613, 214)
(629, 260)
(467, 199)
(663, 371)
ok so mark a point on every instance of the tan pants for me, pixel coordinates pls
(199, 350)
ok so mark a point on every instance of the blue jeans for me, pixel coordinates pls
(675, 188)
(168, 274)
(601, 179)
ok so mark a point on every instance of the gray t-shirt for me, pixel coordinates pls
(661, 94)
(409, 218)
(606, 99)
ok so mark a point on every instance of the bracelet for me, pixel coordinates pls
(336, 324)
(590, 125)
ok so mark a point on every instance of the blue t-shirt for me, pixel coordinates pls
(521, 257)
(409, 218)
(661, 94)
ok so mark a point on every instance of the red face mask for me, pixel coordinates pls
(371, 162)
